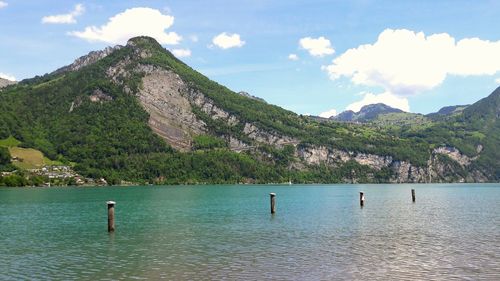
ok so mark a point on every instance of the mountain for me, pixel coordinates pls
(136, 113)
(447, 111)
(483, 117)
(366, 113)
(5, 82)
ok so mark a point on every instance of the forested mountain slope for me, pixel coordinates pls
(137, 113)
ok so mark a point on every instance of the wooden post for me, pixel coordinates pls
(111, 215)
(413, 195)
(273, 202)
(361, 198)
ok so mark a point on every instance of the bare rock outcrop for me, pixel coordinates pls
(266, 137)
(456, 155)
(403, 171)
(237, 145)
(208, 106)
(88, 59)
(315, 155)
(5, 83)
(318, 155)
(99, 96)
(170, 112)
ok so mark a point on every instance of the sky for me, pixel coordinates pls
(315, 57)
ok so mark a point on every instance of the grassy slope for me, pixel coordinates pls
(27, 158)
(9, 142)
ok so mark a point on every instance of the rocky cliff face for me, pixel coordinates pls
(170, 112)
(5, 83)
(88, 59)
(265, 137)
(163, 95)
(456, 155)
(170, 102)
(436, 170)
(245, 94)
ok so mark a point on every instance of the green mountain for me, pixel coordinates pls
(138, 114)
(447, 111)
(366, 113)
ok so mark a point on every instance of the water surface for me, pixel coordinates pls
(227, 232)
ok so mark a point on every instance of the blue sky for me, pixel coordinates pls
(308, 56)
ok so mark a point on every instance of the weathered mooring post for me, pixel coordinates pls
(111, 215)
(361, 198)
(413, 195)
(273, 202)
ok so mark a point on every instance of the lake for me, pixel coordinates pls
(319, 232)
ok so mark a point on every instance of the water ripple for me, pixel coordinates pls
(224, 232)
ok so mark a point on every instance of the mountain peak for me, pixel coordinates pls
(487, 108)
(366, 113)
(378, 107)
(143, 42)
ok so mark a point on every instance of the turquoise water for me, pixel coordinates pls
(227, 232)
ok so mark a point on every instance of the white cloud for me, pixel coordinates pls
(65, 18)
(181, 53)
(318, 47)
(226, 40)
(130, 23)
(328, 113)
(7, 76)
(497, 80)
(405, 62)
(386, 98)
(3, 4)
(194, 38)
(293, 57)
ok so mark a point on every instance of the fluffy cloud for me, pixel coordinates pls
(130, 23)
(65, 18)
(181, 53)
(7, 76)
(226, 41)
(386, 98)
(497, 80)
(293, 57)
(3, 4)
(318, 47)
(328, 113)
(405, 62)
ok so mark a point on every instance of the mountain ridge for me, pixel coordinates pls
(140, 114)
(366, 113)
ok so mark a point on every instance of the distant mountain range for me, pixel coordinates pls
(136, 113)
(366, 113)
(372, 112)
